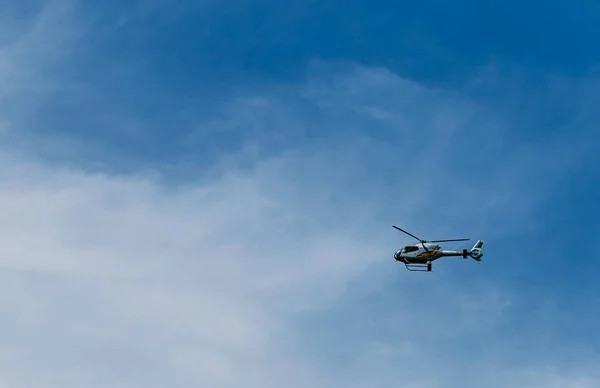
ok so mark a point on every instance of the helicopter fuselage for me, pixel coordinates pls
(418, 254)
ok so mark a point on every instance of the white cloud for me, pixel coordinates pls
(119, 281)
(198, 281)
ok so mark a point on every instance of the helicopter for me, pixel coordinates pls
(419, 257)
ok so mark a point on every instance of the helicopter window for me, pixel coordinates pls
(410, 249)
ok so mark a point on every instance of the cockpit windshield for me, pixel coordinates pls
(411, 248)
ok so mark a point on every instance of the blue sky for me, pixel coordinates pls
(199, 193)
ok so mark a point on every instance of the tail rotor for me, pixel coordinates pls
(476, 253)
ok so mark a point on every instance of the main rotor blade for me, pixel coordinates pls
(411, 235)
(457, 239)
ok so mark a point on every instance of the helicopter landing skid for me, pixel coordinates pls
(418, 267)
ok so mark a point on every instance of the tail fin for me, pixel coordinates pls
(476, 253)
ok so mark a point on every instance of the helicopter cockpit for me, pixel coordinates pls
(406, 249)
(410, 248)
